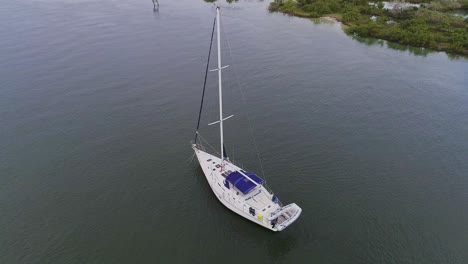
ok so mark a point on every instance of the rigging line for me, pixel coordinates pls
(190, 159)
(215, 151)
(245, 104)
(204, 83)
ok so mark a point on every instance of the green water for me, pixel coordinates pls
(99, 100)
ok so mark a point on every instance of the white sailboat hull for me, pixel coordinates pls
(238, 190)
(256, 206)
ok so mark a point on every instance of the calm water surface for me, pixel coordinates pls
(99, 99)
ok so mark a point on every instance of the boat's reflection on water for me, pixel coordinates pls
(280, 247)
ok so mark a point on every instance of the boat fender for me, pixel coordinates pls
(275, 199)
(260, 217)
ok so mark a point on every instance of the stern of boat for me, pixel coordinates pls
(285, 216)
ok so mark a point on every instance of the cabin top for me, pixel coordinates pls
(240, 181)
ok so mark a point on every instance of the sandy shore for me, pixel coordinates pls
(332, 19)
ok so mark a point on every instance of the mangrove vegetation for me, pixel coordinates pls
(421, 23)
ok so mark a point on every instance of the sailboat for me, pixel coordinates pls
(241, 191)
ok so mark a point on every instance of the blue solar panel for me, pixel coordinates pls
(241, 182)
(254, 177)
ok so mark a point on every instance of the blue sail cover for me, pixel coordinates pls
(241, 182)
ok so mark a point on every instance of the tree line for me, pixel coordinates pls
(429, 25)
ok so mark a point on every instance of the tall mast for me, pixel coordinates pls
(220, 88)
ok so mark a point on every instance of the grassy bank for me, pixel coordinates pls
(430, 25)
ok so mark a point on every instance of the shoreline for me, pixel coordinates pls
(386, 25)
(331, 19)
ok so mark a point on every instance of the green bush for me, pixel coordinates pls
(423, 27)
(351, 15)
